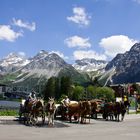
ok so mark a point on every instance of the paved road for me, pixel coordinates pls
(97, 130)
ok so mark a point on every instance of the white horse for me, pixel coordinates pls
(51, 111)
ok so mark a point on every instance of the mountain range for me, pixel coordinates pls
(36, 70)
(88, 65)
(124, 68)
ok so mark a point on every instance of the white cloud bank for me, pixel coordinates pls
(6, 33)
(76, 41)
(80, 16)
(80, 54)
(27, 25)
(60, 54)
(116, 44)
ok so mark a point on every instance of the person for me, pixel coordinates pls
(30, 98)
(33, 95)
(64, 106)
(66, 101)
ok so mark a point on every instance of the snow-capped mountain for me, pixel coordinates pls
(12, 62)
(44, 66)
(127, 66)
(40, 55)
(88, 65)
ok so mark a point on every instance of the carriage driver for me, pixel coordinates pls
(31, 97)
(66, 101)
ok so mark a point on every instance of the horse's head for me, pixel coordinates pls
(39, 104)
(51, 104)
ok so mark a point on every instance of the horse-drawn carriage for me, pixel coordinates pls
(110, 110)
(80, 111)
(32, 111)
(76, 110)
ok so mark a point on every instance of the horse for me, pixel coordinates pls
(119, 108)
(114, 109)
(74, 110)
(33, 110)
(62, 110)
(51, 108)
(85, 111)
(108, 111)
(95, 108)
(80, 109)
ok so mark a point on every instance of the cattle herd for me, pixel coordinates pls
(79, 112)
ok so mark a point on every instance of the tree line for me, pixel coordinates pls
(59, 87)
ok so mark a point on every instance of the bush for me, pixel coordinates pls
(78, 93)
(105, 93)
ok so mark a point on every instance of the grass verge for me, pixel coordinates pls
(8, 113)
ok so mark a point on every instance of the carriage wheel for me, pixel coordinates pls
(33, 119)
(26, 118)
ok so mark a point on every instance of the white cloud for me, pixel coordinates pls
(80, 16)
(22, 54)
(88, 54)
(76, 41)
(27, 25)
(60, 54)
(138, 1)
(6, 33)
(116, 44)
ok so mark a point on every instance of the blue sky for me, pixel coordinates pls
(74, 29)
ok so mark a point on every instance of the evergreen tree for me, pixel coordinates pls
(57, 88)
(66, 85)
(50, 88)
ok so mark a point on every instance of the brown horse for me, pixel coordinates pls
(74, 110)
(85, 111)
(33, 110)
(119, 109)
(114, 109)
(94, 108)
(51, 108)
(80, 109)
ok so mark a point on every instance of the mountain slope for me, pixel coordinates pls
(42, 67)
(127, 66)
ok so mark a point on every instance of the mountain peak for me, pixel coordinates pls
(12, 62)
(11, 55)
(40, 55)
(89, 64)
(135, 47)
(42, 51)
